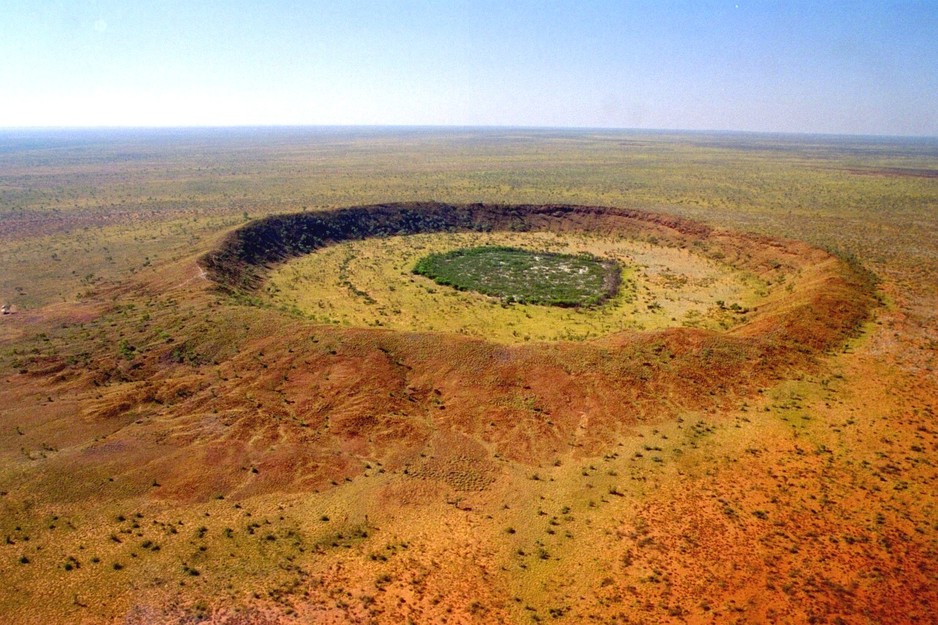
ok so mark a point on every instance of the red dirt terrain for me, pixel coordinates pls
(176, 452)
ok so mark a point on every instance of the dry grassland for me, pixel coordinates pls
(173, 454)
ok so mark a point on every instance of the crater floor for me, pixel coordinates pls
(370, 283)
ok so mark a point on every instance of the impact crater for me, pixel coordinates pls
(374, 388)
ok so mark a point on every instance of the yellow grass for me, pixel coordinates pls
(370, 283)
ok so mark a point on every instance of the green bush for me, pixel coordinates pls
(524, 276)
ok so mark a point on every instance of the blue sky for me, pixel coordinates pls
(832, 67)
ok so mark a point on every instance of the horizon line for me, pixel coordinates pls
(287, 126)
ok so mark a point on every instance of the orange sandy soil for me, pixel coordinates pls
(169, 455)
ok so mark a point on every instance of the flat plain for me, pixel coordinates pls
(350, 444)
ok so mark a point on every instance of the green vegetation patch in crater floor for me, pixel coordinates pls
(524, 276)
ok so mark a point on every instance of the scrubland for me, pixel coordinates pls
(173, 453)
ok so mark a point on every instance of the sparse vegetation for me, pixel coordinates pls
(396, 299)
(693, 462)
